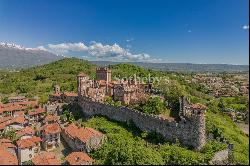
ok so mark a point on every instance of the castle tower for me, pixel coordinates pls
(57, 89)
(82, 84)
(103, 73)
(195, 115)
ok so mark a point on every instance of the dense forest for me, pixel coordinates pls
(126, 144)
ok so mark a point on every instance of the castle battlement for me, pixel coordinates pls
(190, 130)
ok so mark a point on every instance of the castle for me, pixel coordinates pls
(126, 91)
(189, 130)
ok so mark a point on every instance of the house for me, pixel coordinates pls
(8, 145)
(50, 134)
(82, 138)
(46, 158)
(78, 158)
(10, 109)
(26, 132)
(16, 123)
(17, 99)
(7, 158)
(28, 148)
(36, 115)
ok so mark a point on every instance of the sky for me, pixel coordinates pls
(174, 31)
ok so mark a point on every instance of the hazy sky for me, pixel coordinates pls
(194, 31)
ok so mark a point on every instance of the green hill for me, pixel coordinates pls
(126, 145)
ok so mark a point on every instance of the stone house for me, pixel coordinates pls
(78, 158)
(28, 148)
(50, 134)
(82, 138)
(36, 115)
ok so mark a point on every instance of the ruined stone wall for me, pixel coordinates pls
(189, 131)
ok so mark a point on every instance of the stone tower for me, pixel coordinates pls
(194, 114)
(103, 73)
(82, 84)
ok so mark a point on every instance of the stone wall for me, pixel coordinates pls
(189, 131)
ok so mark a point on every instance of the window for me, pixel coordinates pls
(30, 149)
(30, 155)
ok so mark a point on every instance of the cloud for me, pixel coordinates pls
(99, 51)
(189, 31)
(66, 47)
(246, 27)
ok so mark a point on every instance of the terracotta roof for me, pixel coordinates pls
(77, 158)
(28, 103)
(51, 118)
(4, 119)
(83, 133)
(6, 143)
(82, 75)
(26, 130)
(198, 106)
(12, 108)
(51, 128)
(19, 113)
(19, 119)
(46, 158)
(36, 111)
(70, 94)
(7, 158)
(28, 142)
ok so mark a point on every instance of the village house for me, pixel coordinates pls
(26, 132)
(82, 138)
(50, 134)
(36, 115)
(78, 158)
(46, 158)
(51, 119)
(7, 158)
(28, 148)
(16, 123)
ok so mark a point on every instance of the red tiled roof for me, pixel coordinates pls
(78, 158)
(83, 133)
(6, 143)
(51, 118)
(46, 158)
(7, 158)
(19, 113)
(37, 111)
(28, 142)
(26, 130)
(52, 128)
(12, 108)
(4, 119)
(19, 119)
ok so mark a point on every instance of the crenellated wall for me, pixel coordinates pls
(190, 130)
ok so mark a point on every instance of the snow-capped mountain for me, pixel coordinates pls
(16, 56)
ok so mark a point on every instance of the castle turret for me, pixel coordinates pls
(195, 114)
(103, 73)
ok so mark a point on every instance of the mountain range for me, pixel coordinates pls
(13, 56)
